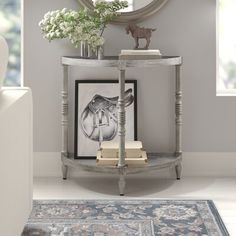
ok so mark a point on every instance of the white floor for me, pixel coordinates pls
(221, 190)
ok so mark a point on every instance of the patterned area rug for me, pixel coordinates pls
(124, 218)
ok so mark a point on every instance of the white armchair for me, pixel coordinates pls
(15, 153)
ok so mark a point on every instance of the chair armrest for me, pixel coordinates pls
(16, 159)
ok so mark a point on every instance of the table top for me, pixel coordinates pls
(114, 61)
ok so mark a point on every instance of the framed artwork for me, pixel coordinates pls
(96, 114)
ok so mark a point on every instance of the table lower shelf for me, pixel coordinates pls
(155, 161)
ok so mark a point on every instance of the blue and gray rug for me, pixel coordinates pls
(124, 218)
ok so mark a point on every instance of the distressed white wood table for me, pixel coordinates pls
(155, 160)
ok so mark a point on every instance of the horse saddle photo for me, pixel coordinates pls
(99, 120)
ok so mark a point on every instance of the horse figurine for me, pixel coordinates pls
(140, 33)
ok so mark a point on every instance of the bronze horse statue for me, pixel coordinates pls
(140, 33)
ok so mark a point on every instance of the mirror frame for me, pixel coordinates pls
(134, 16)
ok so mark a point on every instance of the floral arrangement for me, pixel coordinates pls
(83, 25)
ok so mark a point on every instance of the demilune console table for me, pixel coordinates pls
(155, 160)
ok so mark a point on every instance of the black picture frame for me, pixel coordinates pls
(77, 122)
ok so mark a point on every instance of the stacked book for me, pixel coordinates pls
(135, 155)
(140, 54)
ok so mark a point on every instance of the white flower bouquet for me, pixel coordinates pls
(81, 26)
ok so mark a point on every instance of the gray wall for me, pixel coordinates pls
(184, 27)
(138, 4)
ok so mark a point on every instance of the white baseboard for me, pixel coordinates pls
(195, 164)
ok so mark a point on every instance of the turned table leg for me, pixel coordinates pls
(178, 120)
(122, 184)
(64, 171)
(64, 121)
(121, 129)
(121, 119)
(178, 170)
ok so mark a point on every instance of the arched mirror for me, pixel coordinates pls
(137, 10)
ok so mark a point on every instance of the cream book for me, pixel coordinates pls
(131, 162)
(110, 149)
(140, 54)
